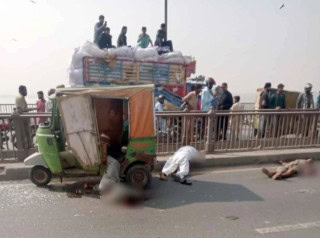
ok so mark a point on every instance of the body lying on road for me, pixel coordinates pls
(286, 170)
(179, 162)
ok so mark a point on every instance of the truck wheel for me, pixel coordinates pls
(139, 176)
(40, 175)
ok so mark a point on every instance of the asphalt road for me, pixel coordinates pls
(236, 202)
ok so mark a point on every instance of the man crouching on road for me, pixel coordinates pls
(287, 170)
(180, 162)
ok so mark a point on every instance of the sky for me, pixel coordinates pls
(243, 42)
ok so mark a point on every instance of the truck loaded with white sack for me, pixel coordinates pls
(91, 66)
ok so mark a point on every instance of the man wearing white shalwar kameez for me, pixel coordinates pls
(179, 161)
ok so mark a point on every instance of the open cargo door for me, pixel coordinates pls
(80, 129)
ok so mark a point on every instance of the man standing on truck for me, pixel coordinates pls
(122, 39)
(99, 27)
(161, 39)
(144, 39)
(105, 39)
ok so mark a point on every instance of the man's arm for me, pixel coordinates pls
(119, 41)
(299, 101)
(312, 102)
(273, 101)
(204, 97)
(284, 102)
(150, 41)
(100, 28)
(139, 38)
(187, 98)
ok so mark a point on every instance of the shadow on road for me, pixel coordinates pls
(166, 195)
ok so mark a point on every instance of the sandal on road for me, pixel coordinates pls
(186, 182)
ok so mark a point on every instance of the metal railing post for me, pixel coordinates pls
(20, 136)
(210, 134)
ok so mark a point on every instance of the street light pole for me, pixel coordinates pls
(166, 17)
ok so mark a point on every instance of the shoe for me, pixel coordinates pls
(186, 182)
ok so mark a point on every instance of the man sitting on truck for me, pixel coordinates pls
(144, 39)
(161, 39)
(105, 39)
(122, 39)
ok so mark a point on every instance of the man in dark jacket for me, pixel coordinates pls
(225, 103)
(278, 100)
(105, 39)
(161, 38)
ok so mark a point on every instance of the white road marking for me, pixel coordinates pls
(288, 227)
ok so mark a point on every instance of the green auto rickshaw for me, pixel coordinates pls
(69, 144)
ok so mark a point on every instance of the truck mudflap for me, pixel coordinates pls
(35, 159)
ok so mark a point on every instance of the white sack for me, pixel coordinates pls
(76, 77)
(124, 52)
(77, 59)
(175, 57)
(93, 50)
(141, 54)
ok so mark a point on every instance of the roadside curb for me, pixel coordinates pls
(18, 171)
(247, 158)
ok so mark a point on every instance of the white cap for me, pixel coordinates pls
(308, 85)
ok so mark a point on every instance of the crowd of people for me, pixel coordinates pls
(103, 38)
(42, 105)
(209, 100)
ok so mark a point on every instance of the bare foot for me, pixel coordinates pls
(163, 177)
(266, 172)
(276, 177)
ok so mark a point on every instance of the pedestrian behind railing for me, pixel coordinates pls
(18, 132)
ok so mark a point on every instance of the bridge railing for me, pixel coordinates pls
(10, 108)
(17, 135)
(225, 131)
(221, 131)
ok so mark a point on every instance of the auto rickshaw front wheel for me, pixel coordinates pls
(40, 175)
(139, 176)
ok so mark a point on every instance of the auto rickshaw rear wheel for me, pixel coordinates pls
(139, 176)
(40, 175)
